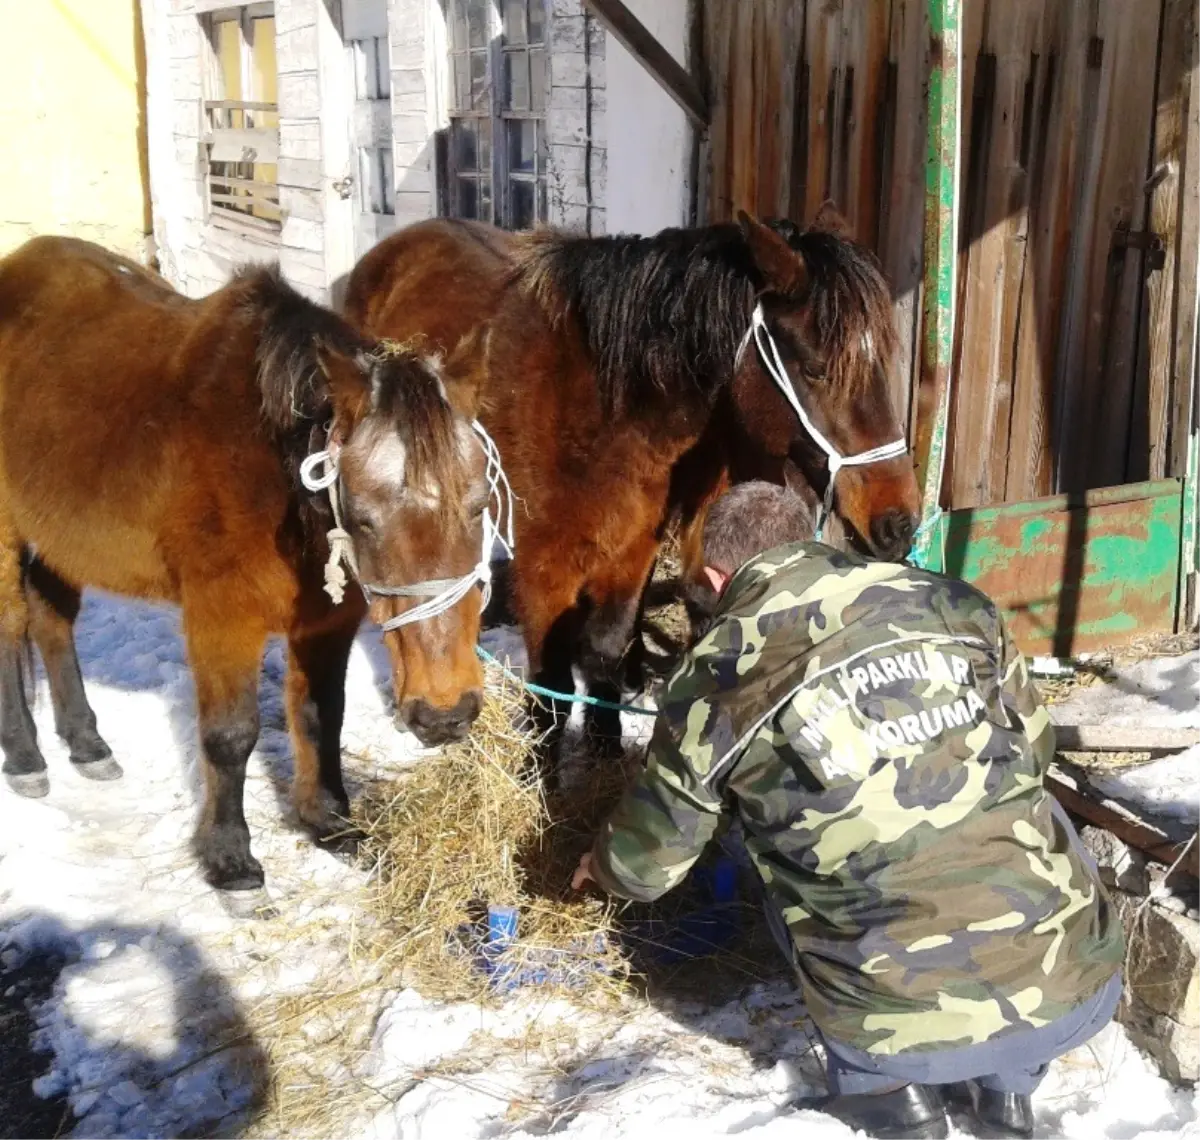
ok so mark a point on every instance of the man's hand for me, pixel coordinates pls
(583, 873)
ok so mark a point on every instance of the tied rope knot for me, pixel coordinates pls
(768, 352)
(319, 472)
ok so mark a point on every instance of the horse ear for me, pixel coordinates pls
(348, 379)
(782, 267)
(830, 220)
(460, 371)
(794, 480)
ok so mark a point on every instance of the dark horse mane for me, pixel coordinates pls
(300, 342)
(664, 315)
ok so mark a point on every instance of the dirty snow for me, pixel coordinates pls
(1161, 692)
(158, 974)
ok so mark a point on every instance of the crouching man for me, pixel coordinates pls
(875, 731)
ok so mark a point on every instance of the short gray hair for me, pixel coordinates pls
(751, 518)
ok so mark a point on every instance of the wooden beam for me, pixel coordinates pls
(1122, 738)
(663, 67)
(1105, 813)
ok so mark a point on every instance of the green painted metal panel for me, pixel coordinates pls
(1073, 572)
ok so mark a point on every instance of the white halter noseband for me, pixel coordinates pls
(443, 593)
(769, 353)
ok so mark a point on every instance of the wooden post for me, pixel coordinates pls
(663, 67)
(941, 255)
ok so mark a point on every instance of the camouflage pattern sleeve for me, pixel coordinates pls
(1022, 701)
(663, 822)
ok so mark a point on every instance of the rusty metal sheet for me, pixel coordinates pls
(1074, 572)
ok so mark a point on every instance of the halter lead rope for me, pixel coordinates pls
(319, 472)
(768, 352)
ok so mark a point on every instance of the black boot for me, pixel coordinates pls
(911, 1110)
(997, 1115)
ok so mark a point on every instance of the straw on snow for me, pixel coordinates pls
(475, 827)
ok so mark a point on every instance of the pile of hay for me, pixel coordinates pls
(474, 827)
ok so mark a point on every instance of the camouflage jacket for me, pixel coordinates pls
(876, 732)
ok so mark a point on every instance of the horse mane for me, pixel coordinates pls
(406, 392)
(849, 302)
(660, 316)
(665, 315)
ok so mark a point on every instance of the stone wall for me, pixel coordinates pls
(1160, 1009)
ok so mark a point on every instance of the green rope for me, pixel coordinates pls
(541, 691)
(596, 702)
(930, 524)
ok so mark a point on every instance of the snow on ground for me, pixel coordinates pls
(1161, 692)
(158, 974)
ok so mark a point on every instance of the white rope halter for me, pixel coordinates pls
(773, 363)
(319, 472)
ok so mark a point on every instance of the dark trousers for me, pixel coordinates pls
(1014, 1063)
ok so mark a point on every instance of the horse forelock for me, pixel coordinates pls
(660, 316)
(850, 309)
(409, 396)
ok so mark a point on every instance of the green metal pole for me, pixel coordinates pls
(940, 276)
(1189, 548)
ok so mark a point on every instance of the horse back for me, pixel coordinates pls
(439, 279)
(120, 401)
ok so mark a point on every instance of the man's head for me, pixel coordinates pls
(745, 521)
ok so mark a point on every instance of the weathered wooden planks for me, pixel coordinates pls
(812, 100)
(1074, 355)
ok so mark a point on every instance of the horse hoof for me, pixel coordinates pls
(30, 785)
(253, 903)
(100, 770)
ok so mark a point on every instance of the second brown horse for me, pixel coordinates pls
(155, 446)
(617, 379)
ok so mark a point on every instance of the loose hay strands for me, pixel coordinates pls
(474, 827)
(471, 826)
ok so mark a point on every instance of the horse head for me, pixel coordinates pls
(811, 383)
(412, 484)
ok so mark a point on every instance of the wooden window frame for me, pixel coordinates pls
(497, 116)
(374, 165)
(225, 192)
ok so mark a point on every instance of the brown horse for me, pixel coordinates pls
(619, 379)
(156, 446)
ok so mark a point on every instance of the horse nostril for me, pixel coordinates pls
(892, 534)
(432, 725)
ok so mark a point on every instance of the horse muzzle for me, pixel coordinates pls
(892, 534)
(433, 726)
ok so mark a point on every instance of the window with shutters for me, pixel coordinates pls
(495, 165)
(241, 141)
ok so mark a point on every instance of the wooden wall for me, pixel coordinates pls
(1079, 126)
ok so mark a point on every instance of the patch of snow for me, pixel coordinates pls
(1162, 692)
(1169, 786)
(159, 976)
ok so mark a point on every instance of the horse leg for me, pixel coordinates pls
(608, 648)
(24, 766)
(316, 705)
(225, 659)
(550, 624)
(53, 609)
